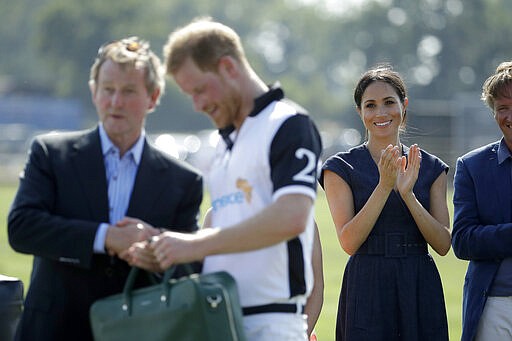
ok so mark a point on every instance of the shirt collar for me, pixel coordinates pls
(503, 152)
(135, 150)
(275, 93)
(225, 134)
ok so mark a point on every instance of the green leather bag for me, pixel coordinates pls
(193, 308)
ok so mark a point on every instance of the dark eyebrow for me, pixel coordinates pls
(384, 99)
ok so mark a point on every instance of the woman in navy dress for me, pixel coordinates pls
(388, 201)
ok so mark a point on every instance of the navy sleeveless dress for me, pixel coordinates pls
(391, 288)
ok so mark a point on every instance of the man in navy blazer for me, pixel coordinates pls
(482, 230)
(86, 196)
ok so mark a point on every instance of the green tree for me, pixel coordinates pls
(442, 47)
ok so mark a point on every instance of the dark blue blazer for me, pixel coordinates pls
(61, 200)
(482, 228)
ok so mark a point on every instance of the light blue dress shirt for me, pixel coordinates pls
(120, 172)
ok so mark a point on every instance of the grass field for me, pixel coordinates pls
(452, 270)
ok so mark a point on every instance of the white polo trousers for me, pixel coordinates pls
(276, 326)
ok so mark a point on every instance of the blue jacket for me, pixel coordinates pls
(482, 229)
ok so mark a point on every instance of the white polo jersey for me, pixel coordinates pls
(275, 152)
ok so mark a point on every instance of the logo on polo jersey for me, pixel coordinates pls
(236, 198)
(245, 187)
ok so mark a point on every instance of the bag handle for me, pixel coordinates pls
(130, 281)
(188, 268)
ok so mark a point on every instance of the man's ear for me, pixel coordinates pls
(92, 88)
(154, 98)
(228, 67)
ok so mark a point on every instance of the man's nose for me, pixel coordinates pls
(116, 99)
(198, 103)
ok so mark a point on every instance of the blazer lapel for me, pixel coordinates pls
(90, 170)
(146, 188)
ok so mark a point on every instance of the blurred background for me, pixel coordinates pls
(317, 49)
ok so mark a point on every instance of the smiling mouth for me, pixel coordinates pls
(382, 124)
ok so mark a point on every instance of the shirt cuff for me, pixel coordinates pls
(99, 240)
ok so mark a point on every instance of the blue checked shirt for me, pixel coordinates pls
(120, 173)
